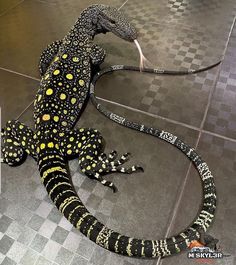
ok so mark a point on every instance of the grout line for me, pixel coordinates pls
(46, 2)
(176, 207)
(150, 114)
(217, 78)
(123, 4)
(24, 110)
(219, 136)
(17, 73)
(10, 8)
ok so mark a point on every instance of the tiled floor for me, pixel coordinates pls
(200, 109)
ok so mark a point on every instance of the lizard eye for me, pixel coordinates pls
(112, 22)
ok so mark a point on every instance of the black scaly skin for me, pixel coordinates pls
(65, 67)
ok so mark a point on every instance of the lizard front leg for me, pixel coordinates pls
(18, 141)
(97, 56)
(48, 55)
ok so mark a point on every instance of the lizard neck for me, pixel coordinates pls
(81, 31)
(86, 26)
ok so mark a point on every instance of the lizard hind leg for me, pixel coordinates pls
(95, 164)
(12, 153)
(87, 145)
(17, 143)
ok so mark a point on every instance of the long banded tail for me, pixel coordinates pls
(205, 217)
(55, 178)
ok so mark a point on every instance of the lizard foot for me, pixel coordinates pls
(105, 164)
(109, 164)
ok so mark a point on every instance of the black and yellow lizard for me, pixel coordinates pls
(65, 67)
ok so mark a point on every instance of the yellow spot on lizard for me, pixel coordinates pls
(69, 152)
(69, 76)
(42, 146)
(64, 123)
(56, 119)
(62, 96)
(73, 100)
(39, 97)
(49, 92)
(56, 72)
(46, 117)
(51, 145)
(46, 76)
(75, 59)
(81, 82)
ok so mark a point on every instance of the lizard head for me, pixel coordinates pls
(109, 19)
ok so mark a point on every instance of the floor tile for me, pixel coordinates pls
(42, 261)
(59, 235)
(16, 93)
(5, 244)
(221, 116)
(220, 155)
(5, 222)
(26, 236)
(14, 230)
(16, 252)
(78, 260)
(8, 261)
(212, 15)
(64, 257)
(38, 243)
(29, 258)
(6, 6)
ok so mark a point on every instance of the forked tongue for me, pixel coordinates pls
(144, 62)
